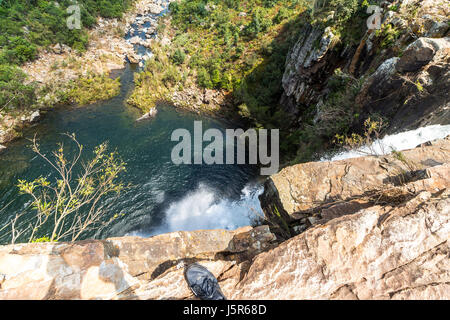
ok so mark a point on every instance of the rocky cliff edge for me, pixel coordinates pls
(365, 228)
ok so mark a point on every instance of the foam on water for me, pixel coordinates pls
(204, 209)
(401, 141)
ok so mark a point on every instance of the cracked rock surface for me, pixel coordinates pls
(377, 228)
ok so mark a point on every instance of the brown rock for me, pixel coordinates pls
(121, 268)
(377, 253)
(420, 53)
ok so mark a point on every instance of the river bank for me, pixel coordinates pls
(162, 197)
(371, 236)
(59, 70)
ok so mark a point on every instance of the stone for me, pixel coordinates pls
(421, 52)
(151, 114)
(396, 247)
(35, 116)
(304, 62)
(133, 58)
(129, 267)
(57, 48)
(376, 253)
(304, 186)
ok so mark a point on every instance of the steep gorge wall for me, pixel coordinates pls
(407, 81)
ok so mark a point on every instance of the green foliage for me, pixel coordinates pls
(178, 57)
(14, 93)
(372, 132)
(282, 15)
(204, 79)
(160, 75)
(336, 116)
(43, 239)
(93, 88)
(388, 35)
(242, 46)
(27, 25)
(68, 206)
(341, 10)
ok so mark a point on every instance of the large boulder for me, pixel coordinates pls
(304, 187)
(382, 252)
(421, 52)
(306, 67)
(125, 268)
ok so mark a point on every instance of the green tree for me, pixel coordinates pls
(204, 79)
(69, 206)
(14, 93)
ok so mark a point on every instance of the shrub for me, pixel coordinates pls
(68, 207)
(178, 57)
(282, 15)
(204, 79)
(259, 23)
(14, 93)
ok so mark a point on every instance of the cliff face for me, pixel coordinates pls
(405, 80)
(366, 228)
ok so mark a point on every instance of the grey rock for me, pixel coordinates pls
(438, 29)
(35, 116)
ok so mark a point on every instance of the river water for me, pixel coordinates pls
(163, 197)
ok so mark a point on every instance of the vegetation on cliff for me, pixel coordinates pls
(244, 49)
(14, 93)
(240, 48)
(29, 27)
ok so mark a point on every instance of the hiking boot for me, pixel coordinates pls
(203, 283)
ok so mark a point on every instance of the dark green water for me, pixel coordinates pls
(163, 197)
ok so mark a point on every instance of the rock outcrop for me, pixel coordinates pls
(10, 126)
(404, 79)
(309, 64)
(368, 228)
(381, 252)
(306, 193)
